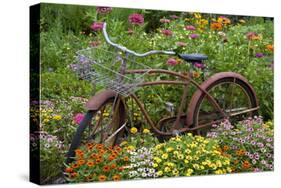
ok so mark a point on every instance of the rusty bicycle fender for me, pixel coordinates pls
(95, 102)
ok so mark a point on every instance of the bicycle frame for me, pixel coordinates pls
(187, 80)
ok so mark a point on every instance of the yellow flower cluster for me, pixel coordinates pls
(189, 155)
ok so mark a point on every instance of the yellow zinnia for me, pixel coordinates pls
(57, 117)
(133, 130)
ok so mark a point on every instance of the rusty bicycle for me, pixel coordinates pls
(223, 95)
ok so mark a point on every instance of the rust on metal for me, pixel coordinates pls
(97, 100)
(205, 85)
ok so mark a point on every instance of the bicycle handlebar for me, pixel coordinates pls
(124, 49)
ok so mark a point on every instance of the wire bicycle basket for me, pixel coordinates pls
(102, 68)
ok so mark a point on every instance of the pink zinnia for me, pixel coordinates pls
(190, 28)
(174, 16)
(193, 36)
(136, 19)
(165, 20)
(78, 118)
(103, 10)
(167, 32)
(199, 65)
(172, 61)
(97, 26)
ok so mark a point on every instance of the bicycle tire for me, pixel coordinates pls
(89, 116)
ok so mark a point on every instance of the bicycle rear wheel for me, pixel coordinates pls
(233, 94)
(100, 126)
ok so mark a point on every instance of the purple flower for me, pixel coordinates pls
(190, 28)
(97, 26)
(103, 10)
(172, 61)
(193, 36)
(136, 19)
(78, 118)
(259, 55)
(167, 32)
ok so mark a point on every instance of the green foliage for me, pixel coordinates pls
(58, 85)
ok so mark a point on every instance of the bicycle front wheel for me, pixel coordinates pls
(234, 95)
(100, 126)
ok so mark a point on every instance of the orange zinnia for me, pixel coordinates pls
(98, 160)
(99, 146)
(73, 174)
(216, 26)
(116, 177)
(102, 178)
(126, 158)
(225, 147)
(81, 161)
(89, 178)
(113, 166)
(75, 165)
(111, 157)
(90, 163)
(118, 149)
(270, 47)
(246, 164)
(68, 170)
(93, 155)
(106, 168)
(102, 151)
